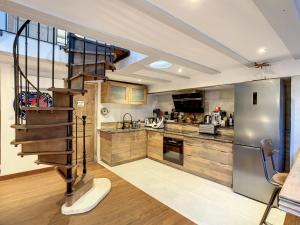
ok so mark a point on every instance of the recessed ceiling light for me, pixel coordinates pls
(179, 70)
(160, 64)
(262, 50)
(139, 80)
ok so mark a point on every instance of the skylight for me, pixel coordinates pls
(160, 64)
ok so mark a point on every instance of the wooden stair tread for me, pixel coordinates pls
(28, 126)
(40, 140)
(46, 108)
(108, 65)
(53, 164)
(67, 90)
(45, 153)
(88, 75)
(88, 52)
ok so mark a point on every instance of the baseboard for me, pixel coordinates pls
(26, 173)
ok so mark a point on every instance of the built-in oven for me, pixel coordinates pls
(173, 150)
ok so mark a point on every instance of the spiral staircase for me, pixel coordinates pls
(47, 130)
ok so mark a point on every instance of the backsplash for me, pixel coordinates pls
(223, 98)
(116, 111)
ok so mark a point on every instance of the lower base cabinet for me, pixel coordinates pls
(155, 145)
(118, 148)
(209, 159)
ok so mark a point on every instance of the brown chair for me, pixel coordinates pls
(272, 175)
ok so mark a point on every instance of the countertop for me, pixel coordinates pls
(289, 196)
(216, 137)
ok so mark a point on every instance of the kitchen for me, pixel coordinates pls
(183, 113)
(201, 131)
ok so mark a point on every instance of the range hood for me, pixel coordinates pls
(190, 103)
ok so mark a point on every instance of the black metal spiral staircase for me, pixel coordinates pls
(47, 131)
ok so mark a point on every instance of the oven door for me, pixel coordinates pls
(173, 150)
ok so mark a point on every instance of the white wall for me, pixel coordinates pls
(10, 162)
(295, 118)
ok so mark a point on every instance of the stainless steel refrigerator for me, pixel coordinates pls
(259, 113)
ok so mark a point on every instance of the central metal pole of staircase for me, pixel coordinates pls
(84, 150)
(69, 188)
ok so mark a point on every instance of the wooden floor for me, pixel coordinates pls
(37, 199)
(291, 220)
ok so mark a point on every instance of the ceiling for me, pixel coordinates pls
(208, 42)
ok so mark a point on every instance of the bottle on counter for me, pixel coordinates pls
(231, 122)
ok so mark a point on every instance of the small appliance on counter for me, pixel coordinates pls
(207, 129)
(216, 118)
(207, 119)
(149, 122)
(231, 121)
(159, 123)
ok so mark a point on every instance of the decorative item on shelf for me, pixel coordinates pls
(104, 111)
(31, 99)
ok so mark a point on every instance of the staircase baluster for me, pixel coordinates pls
(96, 57)
(84, 150)
(111, 52)
(26, 67)
(104, 65)
(38, 66)
(18, 85)
(83, 69)
(76, 148)
(53, 55)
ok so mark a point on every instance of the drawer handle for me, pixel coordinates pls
(188, 155)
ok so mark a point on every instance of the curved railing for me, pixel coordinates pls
(20, 75)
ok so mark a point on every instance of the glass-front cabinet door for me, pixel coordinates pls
(118, 93)
(138, 95)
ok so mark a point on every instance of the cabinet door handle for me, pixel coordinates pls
(188, 155)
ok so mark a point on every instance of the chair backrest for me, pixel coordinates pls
(267, 151)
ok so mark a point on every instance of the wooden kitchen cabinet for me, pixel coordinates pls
(137, 94)
(123, 93)
(209, 159)
(138, 145)
(155, 145)
(120, 147)
(114, 92)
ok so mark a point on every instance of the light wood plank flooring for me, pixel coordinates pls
(37, 199)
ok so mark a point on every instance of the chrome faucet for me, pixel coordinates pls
(123, 127)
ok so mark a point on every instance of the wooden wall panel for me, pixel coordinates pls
(89, 110)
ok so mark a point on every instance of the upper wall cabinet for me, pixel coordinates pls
(123, 93)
